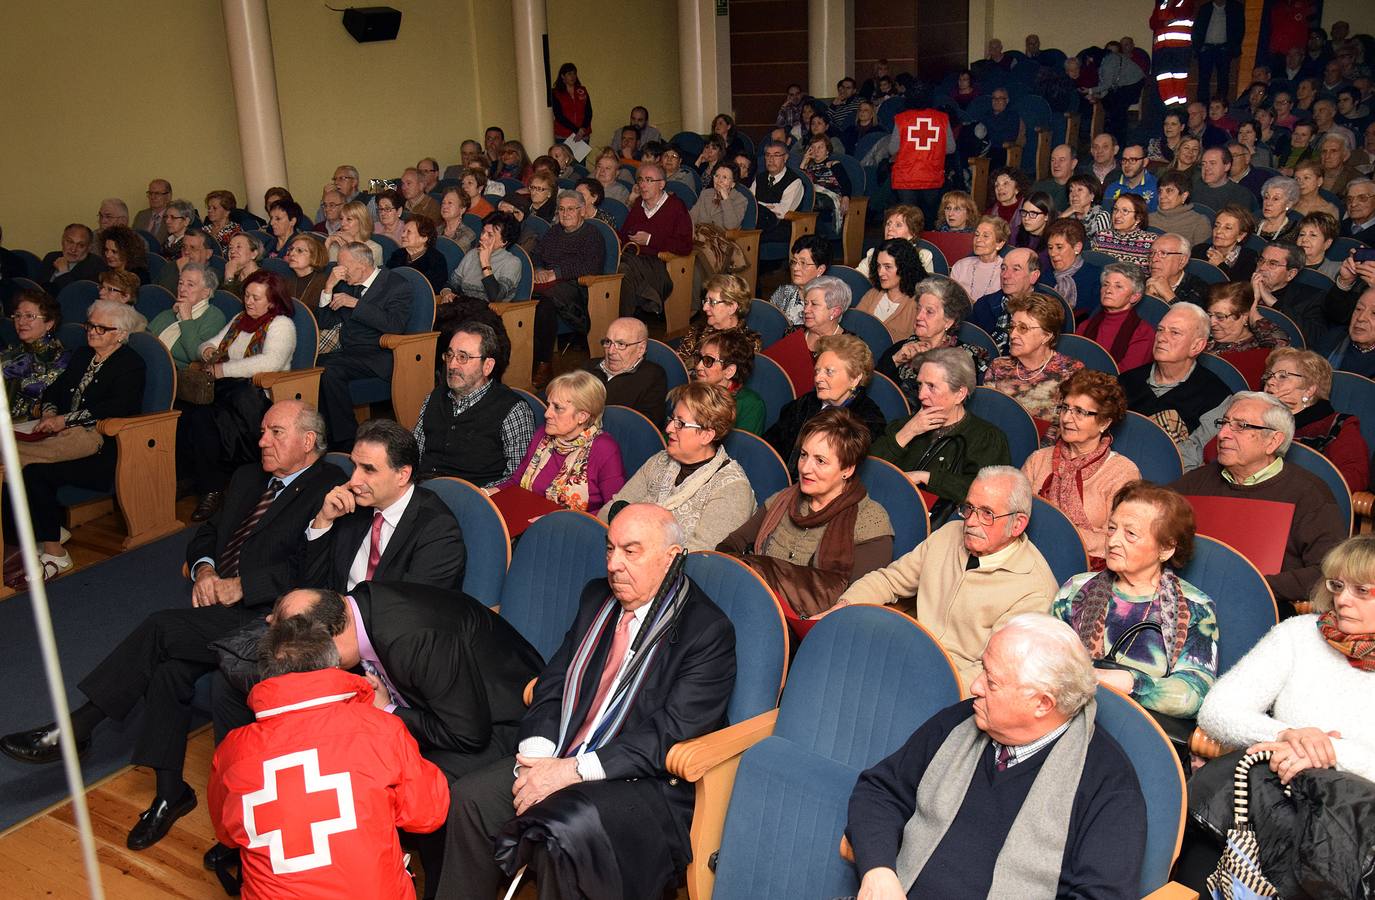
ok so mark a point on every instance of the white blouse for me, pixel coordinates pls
(278, 346)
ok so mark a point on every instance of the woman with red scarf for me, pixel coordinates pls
(572, 105)
(216, 437)
(1081, 473)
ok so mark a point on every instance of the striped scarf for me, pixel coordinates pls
(640, 660)
(1359, 649)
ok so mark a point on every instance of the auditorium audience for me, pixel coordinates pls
(1252, 438)
(901, 223)
(1277, 197)
(1018, 272)
(1117, 326)
(1308, 174)
(387, 222)
(571, 460)
(30, 366)
(1081, 473)
(117, 285)
(811, 540)
(843, 368)
(695, 479)
(1352, 350)
(1085, 204)
(569, 250)
(215, 438)
(942, 446)
(1033, 370)
(450, 224)
(658, 222)
(1168, 278)
(284, 218)
(1276, 287)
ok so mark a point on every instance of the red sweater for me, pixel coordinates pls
(670, 230)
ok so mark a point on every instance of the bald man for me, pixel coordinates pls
(630, 379)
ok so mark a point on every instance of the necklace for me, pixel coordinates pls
(1017, 372)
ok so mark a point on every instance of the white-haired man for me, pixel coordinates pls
(973, 574)
(1012, 793)
(1174, 389)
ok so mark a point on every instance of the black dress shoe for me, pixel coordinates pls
(220, 855)
(157, 820)
(208, 506)
(36, 746)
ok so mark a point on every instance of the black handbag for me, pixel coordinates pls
(1176, 728)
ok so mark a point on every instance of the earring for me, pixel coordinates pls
(1305, 398)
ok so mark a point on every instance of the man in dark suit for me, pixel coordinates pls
(644, 672)
(153, 219)
(1218, 29)
(378, 526)
(74, 262)
(241, 560)
(1276, 288)
(372, 302)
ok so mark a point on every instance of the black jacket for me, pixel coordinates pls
(115, 391)
(270, 559)
(426, 548)
(1191, 398)
(1236, 24)
(782, 435)
(384, 309)
(460, 667)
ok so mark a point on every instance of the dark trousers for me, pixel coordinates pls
(928, 200)
(341, 367)
(42, 480)
(646, 283)
(159, 663)
(560, 300)
(1213, 58)
(479, 804)
(1116, 104)
(214, 439)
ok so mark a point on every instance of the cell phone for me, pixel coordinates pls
(1365, 254)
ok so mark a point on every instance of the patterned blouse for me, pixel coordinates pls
(1264, 334)
(1128, 246)
(1038, 392)
(223, 235)
(1181, 691)
(28, 369)
(788, 299)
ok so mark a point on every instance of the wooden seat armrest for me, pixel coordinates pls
(116, 427)
(795, 216)
(1172, 891)
(1205, 745)
(397, 341)
(589, 280)
(1361, 503)
(734, 233)
(690, 760)
(266, 380)
(665, 256)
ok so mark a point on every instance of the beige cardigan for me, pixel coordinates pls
(1099, 490)
(961, 608)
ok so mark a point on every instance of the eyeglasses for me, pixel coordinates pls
(981, 514)
(111, 289)
(717, 302)
(538, 189)
(30, 317)
(95, 329)
(1019, 328)
(158, 193)
(1337, 586)
(607, 344)
(460, 357)
(1276, 376)
(1168, 253)
(1133, 159)
(382, 209)
(1223, 317)
(705, 359)
(678, 424)
(1238, 426)
(648, 180)
(1032, 214)
(1079, 412)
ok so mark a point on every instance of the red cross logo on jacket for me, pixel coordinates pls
(297, 810)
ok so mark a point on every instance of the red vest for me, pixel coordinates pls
(920, 164)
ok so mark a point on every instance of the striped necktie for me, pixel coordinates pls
(229, 561)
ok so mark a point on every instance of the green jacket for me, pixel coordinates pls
(749, 411)
(194, 332)
(968, 446)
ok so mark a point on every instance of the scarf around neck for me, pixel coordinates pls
(243, 323)
(1359, 649)
(569, 487)
(671, 496)
(836, 553)
(1064, 486)
(1065, 284)
(1029, 862)
(1088, 613)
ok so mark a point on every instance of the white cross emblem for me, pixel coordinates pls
(294, 811)
(923, 133)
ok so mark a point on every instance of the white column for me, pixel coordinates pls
(532, 91)
(830, 44)
(254, 76)
(703, 63)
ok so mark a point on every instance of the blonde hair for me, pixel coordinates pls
(584, 390)
(711, 405)
(1353, 558)
(1314, 369)
(734, 289)
(856, 355)
(1001, 230)
(357, 213)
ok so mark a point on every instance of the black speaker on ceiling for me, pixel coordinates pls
(372, 23)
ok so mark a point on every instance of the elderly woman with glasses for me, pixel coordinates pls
(811, 540)
(726, 359)
(942, 446)
(1081, 473)
(219, 223)
(307, 258)
(572, 459)
(565, 253)
(103, 380)
(451, 211)
(390, 205)
(694, 478)
(1151, 634)
(1235, 325)
(117, 285)
(1033, 370)
(809, 258)
(727, 306)
(841, 373)
(193, 319)
(35, 362)
(177, 219)
(942, 306)
(1277, 223)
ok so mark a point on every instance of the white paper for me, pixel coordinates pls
(580, 149)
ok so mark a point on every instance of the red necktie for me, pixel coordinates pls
(620, 643)
(375, 548)
(1004, 757)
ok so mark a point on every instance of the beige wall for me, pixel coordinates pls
(89, 117)
(379, 106)
(1060, 23)
(642, 71)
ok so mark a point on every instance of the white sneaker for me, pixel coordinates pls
(54, 565)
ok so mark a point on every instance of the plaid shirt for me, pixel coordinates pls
(1027, 751)
(517, 429)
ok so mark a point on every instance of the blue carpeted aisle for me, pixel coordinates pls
(92, 610)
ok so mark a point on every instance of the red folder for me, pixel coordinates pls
(1257, 529)
(520, 507)
(1250, 363)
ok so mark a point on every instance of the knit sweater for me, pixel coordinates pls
(1316, 528)
(973, 444)
(193, 332)
(1182, 220)
(1292, 678)
(571, 254)
(1099, 489)
(872, 538)
(959, 606)
(719, 506)
(275, 356)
